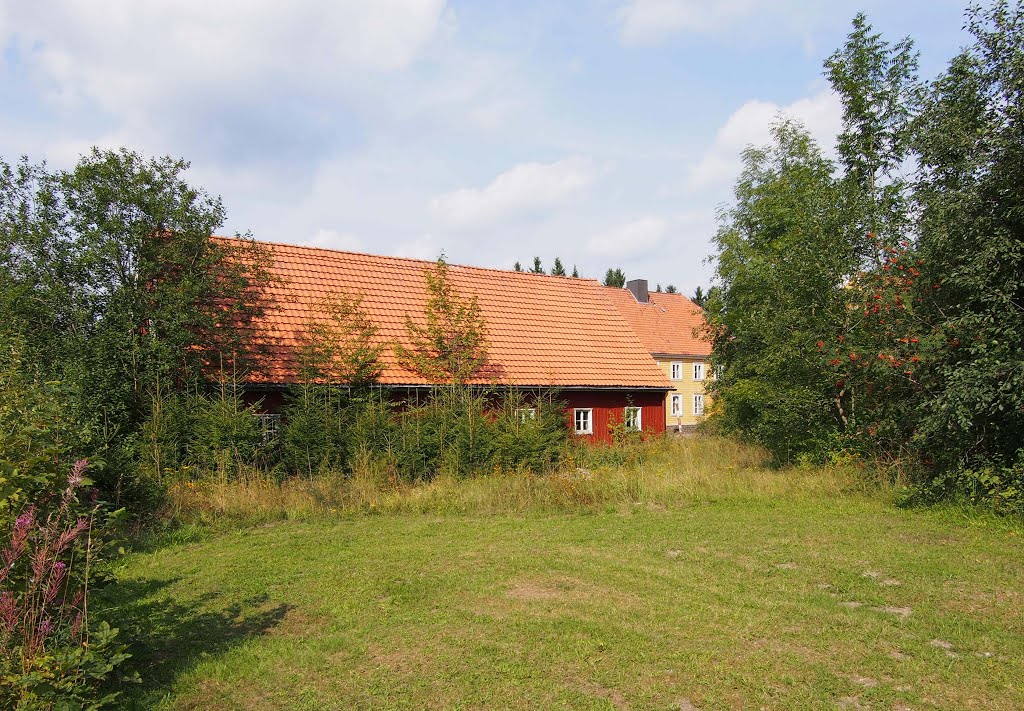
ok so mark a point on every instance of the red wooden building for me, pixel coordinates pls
(544, 333)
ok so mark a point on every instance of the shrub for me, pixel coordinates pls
(530, 435)
(997, 486)
(33, 439)
(51, 655)
(314, 432)
(225, 434)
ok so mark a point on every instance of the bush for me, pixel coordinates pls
(34, 438)
(51, 653)
(530, 442)
(458, 432)
(314, 433)
(225, 433)
(991, 484)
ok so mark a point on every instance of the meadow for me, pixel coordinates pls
(685, 574)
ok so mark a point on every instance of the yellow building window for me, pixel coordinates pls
(677, 406)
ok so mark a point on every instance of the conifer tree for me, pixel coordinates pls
(615, 277)
(558, 269)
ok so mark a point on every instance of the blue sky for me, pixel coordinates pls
(603, 132)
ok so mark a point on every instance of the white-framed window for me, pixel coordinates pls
(271, 424)
(633, 420)
(716, 372)
(676, 406)
(583, 417)
(698, 405)
(525, 414)
(677, 371)
(698, 371)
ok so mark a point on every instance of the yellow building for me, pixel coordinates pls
(671, 328)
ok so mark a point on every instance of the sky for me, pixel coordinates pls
(607, 133)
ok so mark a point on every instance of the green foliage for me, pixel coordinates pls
(34, 437)
(781, 261)
(452, 345)
(517, 266)
(67, 676)
(911, 290)
(224, 433)
(877, 83)
(338, 344)
(110, 279)
(971, 198)
(52, 653)
(461, 433)
(615, 278)
(558, 269)
(537, 268)
(575, 272)
(314, 430)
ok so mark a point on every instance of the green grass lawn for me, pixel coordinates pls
(740, 602)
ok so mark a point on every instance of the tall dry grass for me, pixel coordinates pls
(664, 472)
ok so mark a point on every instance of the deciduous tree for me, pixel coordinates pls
(451, 346)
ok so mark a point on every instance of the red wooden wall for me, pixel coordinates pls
(609, 408)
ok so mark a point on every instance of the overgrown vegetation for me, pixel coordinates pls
(56, 530)
(865, 311)
(113, 290)
(879, 312)
(659, 472)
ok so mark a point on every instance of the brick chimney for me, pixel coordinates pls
(638, 287)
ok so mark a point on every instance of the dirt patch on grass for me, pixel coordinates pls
(615, 697)
(881, 579)
(297, 623)
(531, 591)
(566, 590)
(901, 612)
(404, 661)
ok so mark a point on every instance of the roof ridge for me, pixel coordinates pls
(406, 259)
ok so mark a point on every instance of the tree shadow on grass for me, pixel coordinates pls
(167, 637)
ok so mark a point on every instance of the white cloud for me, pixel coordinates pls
(630, 239)
(524, 189)
(332, 239)
(650, 21)
(127, 52)
(424, 246)
(646, 22)
(750, 124)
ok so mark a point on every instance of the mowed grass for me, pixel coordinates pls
(822, 597)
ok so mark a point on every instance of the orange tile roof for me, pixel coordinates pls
(669, 324)
(542, 330)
